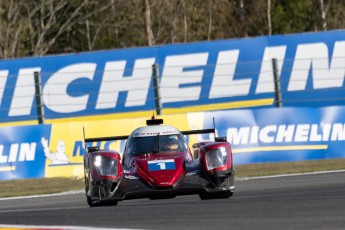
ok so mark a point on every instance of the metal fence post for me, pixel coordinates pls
(155, 76)
(277, 88)
(38, 96)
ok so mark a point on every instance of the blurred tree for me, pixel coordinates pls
(12, 25)
(41, 27)
(50, 20)
(334, 14)
(292, 16)
(148, 26)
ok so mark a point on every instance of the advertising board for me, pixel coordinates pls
(197, 76)
(282, 134)
(256, 135)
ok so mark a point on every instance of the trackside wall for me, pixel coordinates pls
(199, 76)
(257, 136)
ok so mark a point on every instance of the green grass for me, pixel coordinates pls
(267, 169)
(61, 184)
(39, 186)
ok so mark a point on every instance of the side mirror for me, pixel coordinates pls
(92, 149)
(220, 139)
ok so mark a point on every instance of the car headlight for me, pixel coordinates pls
(105, 166)
(216, 158)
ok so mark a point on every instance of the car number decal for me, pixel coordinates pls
(161, 165)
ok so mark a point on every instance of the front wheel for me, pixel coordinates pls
(215, 195)
(102, 203)
(89, 202)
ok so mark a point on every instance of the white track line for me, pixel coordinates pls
(45, 195)
(4, 226)
(291, 174)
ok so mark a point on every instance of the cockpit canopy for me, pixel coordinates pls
(155, 139)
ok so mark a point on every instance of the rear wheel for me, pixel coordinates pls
(215, 195)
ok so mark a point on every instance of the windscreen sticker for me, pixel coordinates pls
(157, 165)
(147, 134)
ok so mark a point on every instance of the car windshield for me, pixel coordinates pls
(157, 144)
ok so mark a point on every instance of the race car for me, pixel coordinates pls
(156, 164)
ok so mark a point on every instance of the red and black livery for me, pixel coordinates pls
(157, 163)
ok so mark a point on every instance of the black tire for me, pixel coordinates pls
(88, 199)
(86, 184)
(215, 195)
(89, 202)
(102, 203)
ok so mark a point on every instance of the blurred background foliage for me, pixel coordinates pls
(46, 27)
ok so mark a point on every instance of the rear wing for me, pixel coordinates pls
(115, 138)
(125, 137)
(201, 131)
(97, 139)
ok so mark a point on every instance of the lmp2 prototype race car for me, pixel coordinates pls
(157, 163)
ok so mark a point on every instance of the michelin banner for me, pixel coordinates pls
(222, 74)
(282, 134)
(257, 136)
(21, 151)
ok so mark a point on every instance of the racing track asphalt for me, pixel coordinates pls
(314, 201)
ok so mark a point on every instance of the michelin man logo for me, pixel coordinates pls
(58, 157)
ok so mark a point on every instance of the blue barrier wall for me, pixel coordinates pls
(311, 67)
(21, 152)
(257, 136)
(284, 134)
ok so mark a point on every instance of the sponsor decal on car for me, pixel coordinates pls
(157, 165)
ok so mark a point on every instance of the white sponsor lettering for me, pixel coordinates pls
(55, 95)
(114, 81)
(183, 77)
(266, 135)
(24, 93)
(13, 153)
(176, 77)
(315, 56)
(302, 133)
(27, 152)
(254, 135)
(314, 133)
(265, 80)
(326, 131)
(3, 158)
(286, 133)
(3, 80)
(238, 136)
(223, 83)
(18, 152)
(338, 133)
